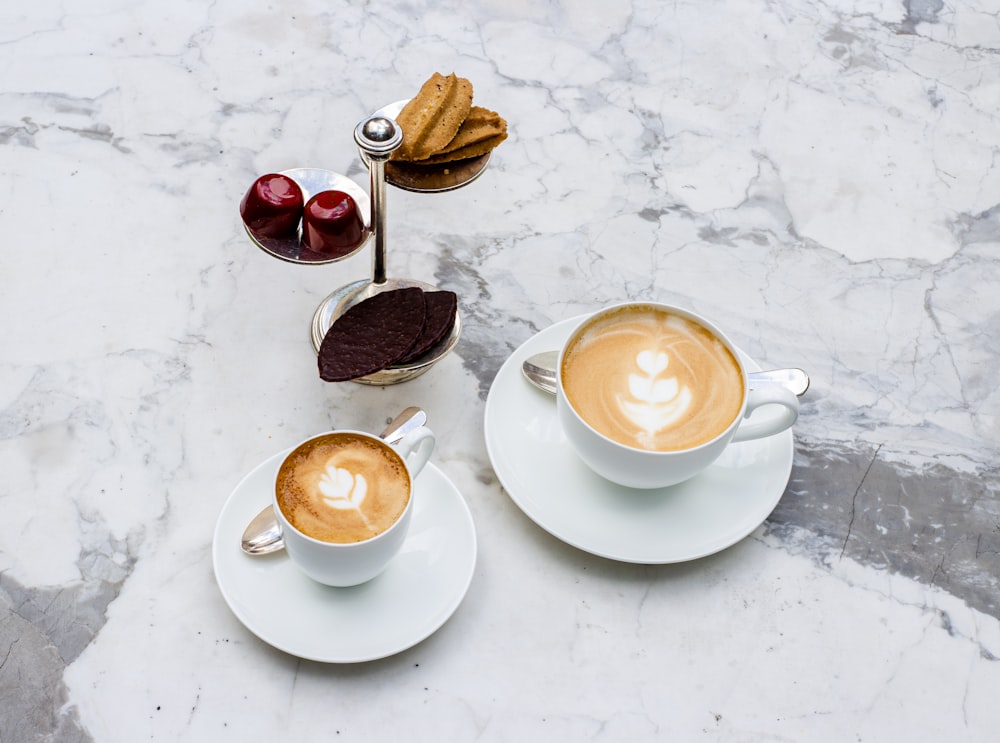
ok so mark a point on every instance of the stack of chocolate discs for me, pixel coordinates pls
(392, 328)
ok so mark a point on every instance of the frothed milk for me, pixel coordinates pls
(342, 488)
(653, 380)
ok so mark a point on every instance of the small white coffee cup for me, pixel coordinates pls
(347, 563)
(632, 465)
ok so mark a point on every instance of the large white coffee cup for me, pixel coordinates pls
(649, 395)
(344, 502)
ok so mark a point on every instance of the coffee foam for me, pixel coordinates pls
(650, 379)
(342, 488)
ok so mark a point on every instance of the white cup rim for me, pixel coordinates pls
(689, 315)
(283, 519)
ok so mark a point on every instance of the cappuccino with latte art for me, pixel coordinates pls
(651, 379)
(650, 395)
(342, 488)
(344, 502)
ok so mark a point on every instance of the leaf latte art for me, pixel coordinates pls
(653, 403)
(342, 488)
(650, 379)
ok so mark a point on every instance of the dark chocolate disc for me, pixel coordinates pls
(440, 319)
(372, 334)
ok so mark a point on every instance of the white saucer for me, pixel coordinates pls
(546, 479)
(416, 594)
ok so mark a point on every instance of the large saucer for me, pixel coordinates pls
(545, 478)
(416, 594)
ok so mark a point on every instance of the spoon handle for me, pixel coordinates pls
(540, 370)
(402, 424)
(794, 379)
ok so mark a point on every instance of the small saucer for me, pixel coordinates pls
(428, 178)
(544, 477)
(416, 594)
(312, 181)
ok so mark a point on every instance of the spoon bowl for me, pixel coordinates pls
(262, 535)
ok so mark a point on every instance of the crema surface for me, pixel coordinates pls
(650, 379)
(342, 488)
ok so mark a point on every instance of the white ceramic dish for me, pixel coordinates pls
(546, 479)
(417, 593)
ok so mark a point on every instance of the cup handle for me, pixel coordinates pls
(416, 448)
(771, 394)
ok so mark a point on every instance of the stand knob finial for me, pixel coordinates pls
(378, 136)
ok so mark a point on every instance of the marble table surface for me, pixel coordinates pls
(820, 178)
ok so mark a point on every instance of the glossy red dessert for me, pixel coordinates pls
(331, 223)
(273, 206)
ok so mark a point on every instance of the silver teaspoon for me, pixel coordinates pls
(263, 535)
(540, 370)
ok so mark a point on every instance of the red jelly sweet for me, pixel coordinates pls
(273, 206)
(331, 223)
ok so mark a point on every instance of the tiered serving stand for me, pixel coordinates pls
(377, 138)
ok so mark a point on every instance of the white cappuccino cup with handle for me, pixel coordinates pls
(649, 395)
(344, 502)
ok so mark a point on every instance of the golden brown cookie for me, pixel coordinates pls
(479, 125)
(472, 150)
(432, 118)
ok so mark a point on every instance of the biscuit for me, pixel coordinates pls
(463, 153)
(432, 118)
(479, 125)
